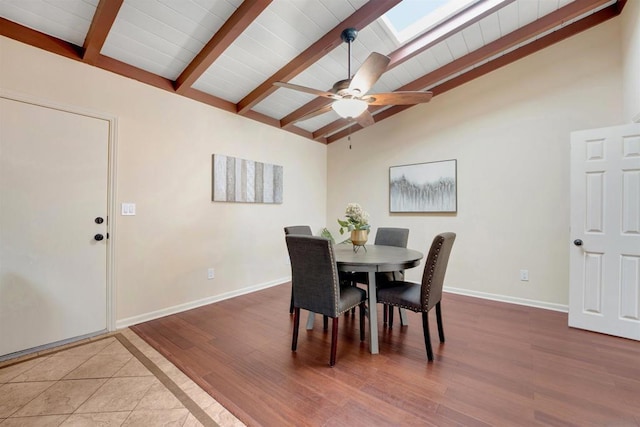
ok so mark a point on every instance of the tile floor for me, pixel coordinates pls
(113, 380)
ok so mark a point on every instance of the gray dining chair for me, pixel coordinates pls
(422, 297)
(316, 287)
(387, 236)
(303, 230)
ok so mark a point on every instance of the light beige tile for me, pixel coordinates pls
(15, 395)
(88, 349)
(102, 419)
(157, 418)
(222, 416)
(64, 397)
(118, 394)
(191, 421)
(159, 397)
(115, 348)
(100, 366)
(10, 372)
(51, 369)
(199, 396)
(133, 368)
(40, 421)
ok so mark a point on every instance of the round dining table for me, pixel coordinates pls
(373, 259)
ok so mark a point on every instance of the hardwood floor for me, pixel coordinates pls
(502, 364)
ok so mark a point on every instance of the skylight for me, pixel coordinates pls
(410, 18)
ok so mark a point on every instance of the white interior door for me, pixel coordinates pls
(605, 226)
(53, 186)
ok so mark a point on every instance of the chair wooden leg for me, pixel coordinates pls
(291, 304)
(391, 316)
(362, 310)
(334, 341)
(325, 322)
(427, 338)
(385, 313)
(439, 318)
(296, 325)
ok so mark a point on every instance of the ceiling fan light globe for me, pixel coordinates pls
(349, 108)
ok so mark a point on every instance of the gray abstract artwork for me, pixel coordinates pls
(423, 187)
(246, 181)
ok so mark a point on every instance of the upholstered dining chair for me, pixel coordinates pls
(316, 287)
(422, 297)
(388, 236)
(303, 230)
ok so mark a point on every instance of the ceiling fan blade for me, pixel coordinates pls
(314, 113)
(369, 73)
(398, 98)
(365, 119)
(312, 91)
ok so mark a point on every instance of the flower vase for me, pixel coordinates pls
(359, 238)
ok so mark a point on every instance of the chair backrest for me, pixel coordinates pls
(390, 236)
(435, 268)
(314, 274)
(303, 230)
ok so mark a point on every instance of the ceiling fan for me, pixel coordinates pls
(350, 95)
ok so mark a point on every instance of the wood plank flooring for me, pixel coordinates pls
(501, 365)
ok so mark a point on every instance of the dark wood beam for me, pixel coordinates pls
(515, 55)
(208, 99)
(359, 19)
(40, 40)
(101, 24)
(248, 11)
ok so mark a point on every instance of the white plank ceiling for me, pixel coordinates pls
(162, 38)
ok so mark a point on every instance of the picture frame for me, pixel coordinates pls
(245, 181)
(430, 187)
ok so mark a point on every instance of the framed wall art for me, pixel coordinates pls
(245, 181)
(424, 187)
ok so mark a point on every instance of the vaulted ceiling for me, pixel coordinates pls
(228, 53)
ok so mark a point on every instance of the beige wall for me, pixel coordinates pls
(509, 132)
(631, 60)
(164, 148)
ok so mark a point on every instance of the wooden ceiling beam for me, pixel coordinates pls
(40, 40)
(506, 59)
(103, 20)
(248, 11)
(359, 19)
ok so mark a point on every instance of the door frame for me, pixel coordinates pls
(111, 185)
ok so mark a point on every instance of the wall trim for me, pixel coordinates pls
(130, 321)
(512, 300)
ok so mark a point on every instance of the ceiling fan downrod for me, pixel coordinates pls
(348, 35)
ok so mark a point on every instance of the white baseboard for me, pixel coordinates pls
(512, 300)
(124, 323)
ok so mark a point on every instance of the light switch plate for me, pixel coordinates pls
(128, 209)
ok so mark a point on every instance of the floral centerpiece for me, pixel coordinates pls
(357, 222)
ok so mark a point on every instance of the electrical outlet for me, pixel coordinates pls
(210, 273)
(524, 275)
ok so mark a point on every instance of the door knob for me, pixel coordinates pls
(99, 220)
(98, 237)
(577, 242)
